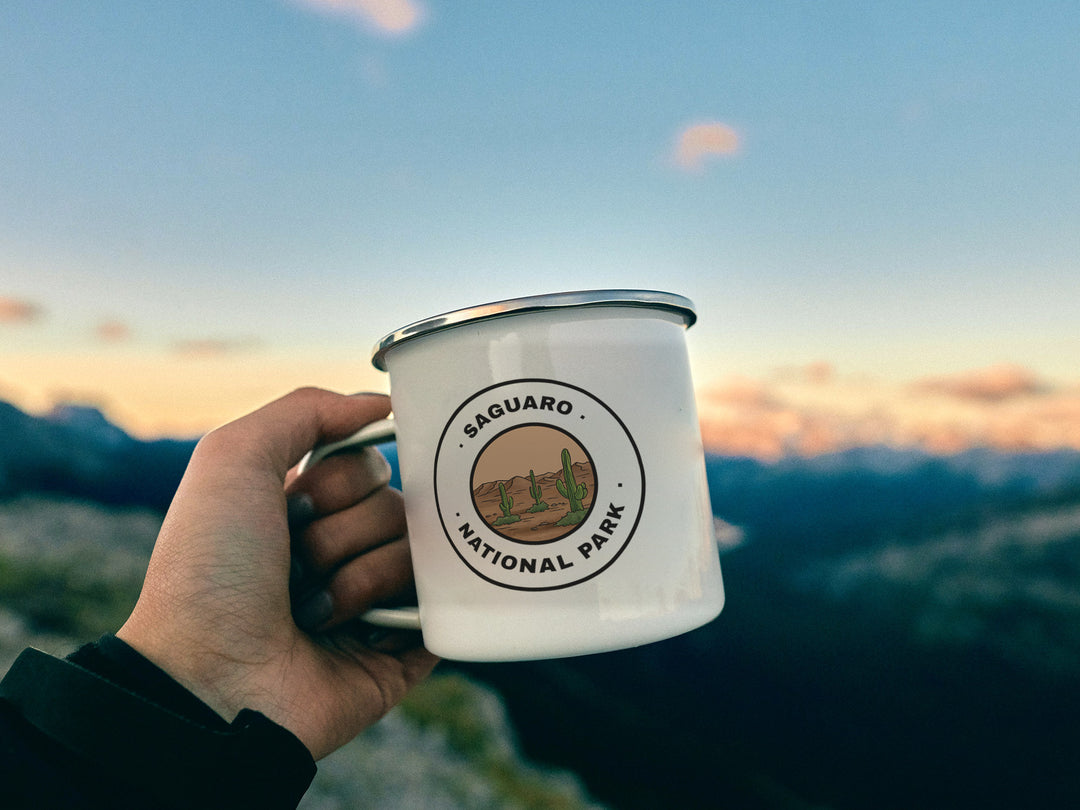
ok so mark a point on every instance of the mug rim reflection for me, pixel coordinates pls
(647, 299)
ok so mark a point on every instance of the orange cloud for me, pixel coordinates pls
(817, 372)
(112, 332)
(384, 16)
(988, 384)
(699, 141)
(206, 348)
(745, 417)
(808, 411)
(738, 392)
(15, 310)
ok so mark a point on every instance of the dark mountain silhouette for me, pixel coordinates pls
(902, 630)
(75, 451)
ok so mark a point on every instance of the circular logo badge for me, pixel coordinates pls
(538, 484)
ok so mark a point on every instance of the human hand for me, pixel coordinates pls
(215, 610)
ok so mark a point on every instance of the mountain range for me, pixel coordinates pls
(75, 451)
(902, 630)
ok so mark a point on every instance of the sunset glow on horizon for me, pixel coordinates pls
(804, 411)
(801, 412)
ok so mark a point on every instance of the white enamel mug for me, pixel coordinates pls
(553, 474)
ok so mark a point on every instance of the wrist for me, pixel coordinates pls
(205, 675)
(152, 739)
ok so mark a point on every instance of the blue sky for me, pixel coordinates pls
(895, 191)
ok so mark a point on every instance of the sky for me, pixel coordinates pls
(874, 207)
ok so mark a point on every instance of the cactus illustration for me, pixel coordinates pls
(537, 493)
(505, 503)
(570, 489)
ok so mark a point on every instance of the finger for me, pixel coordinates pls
(398, 667)
(342, 480)
(285, 429)
(379, 575)
(368, 683)
(383, 678)
(417, 663)
(394, 642)
(331, 540)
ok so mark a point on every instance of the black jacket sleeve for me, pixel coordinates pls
(107, 728)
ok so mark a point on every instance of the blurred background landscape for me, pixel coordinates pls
(902, 630)
(874, 208)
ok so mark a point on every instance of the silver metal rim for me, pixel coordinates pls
(648, 299)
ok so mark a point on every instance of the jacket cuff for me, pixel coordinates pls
(190, 759)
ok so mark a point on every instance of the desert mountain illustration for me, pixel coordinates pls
(536, 507)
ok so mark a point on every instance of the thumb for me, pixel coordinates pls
(287, 428)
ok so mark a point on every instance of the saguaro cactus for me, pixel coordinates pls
(568, 487)
(505, 503)
(537, 493)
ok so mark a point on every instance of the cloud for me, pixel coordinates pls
(392, 17)
(744, 417)
(739, 392)
(16, 310)
(991, 384)
(112, 332)
(815, 410)
(208, 348)
(699, 141)
(818, 372)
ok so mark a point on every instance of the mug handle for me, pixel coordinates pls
(374, 433)
(403, 618)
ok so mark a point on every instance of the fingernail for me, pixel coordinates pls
(300, 510)
(378, 467)
(314, 611)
